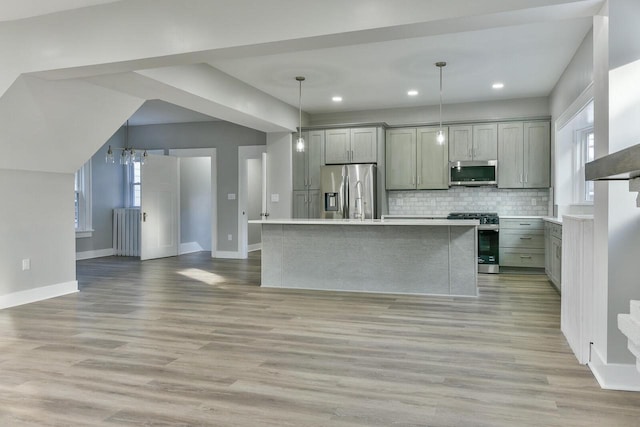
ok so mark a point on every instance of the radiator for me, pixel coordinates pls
(126, 231)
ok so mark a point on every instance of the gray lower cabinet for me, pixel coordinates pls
(415, 160)
(522, 243)
(553, 253)
(524, 154)
(306, 204)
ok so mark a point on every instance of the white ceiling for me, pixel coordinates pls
(371, 67)
(19, 9)
(528, 59)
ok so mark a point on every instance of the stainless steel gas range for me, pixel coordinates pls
(488, 239)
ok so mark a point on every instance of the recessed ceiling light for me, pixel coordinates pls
(337, 99)
(497, 85)
(412, 93)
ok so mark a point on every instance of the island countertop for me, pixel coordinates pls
(404, 256)
(319, 221)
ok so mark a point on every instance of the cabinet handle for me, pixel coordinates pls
(309, 184)
(521, 178)
(526, 177)
(525, 256)
(418, 179)
(525, 223)
(352, 155)
(525, 238)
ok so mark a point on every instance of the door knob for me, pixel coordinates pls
(144, 217)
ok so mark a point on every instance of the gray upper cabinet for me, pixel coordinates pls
(401, 159)
(337, 146)
(306, 165)
(357, 145)
(473, 142)
(485, 142)
(415, 159)
(306, 175)
(460, 143)
(524, 155)
(432, 158)
(537, 155)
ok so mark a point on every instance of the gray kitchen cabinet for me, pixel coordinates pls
(355, 145)
(522, 243)
(400, 159)
(553, 253)
(416, 160)
(306, 204)
(432, 159)
(524, 155)
(460, 143)
(306, 173)
(473, 142)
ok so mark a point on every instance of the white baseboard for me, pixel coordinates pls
(614, 376)
(254, 247)
(190, 247)
(94, 254)
(38, 294)
(227, 254)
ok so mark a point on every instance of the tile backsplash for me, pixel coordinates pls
(470, 199)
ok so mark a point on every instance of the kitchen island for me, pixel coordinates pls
(424, 257)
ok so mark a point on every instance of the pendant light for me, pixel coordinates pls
(440, 137)
(300, 141)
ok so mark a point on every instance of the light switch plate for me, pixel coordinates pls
(275, 197)
(231, 196)
(26, 264)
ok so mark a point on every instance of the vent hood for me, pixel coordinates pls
(621, 165)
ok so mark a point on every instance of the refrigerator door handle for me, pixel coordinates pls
(345, 206)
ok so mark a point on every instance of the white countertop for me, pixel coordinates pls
(436, 222)
(553, 219)
(521, 216)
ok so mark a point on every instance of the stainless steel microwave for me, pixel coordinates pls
(473, 173)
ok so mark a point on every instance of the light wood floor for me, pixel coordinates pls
(193, 341)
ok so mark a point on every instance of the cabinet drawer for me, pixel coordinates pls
(556, 230)
(510, 238)
(522, 224)
(522, 258)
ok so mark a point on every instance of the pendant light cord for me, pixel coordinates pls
(300, 109)
(440, 99)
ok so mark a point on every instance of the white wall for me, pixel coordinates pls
(37, 224)
(195, 202)
(279, 172)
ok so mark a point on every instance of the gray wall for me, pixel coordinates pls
(195, 201)
(107, 183)
(254, 199)
(37, 223)
(226, 138)
(470, 111)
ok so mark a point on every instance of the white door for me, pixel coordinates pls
(159, 207)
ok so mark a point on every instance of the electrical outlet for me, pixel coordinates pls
(26, 264)
(229, 237)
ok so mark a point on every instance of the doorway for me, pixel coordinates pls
(251, 197)
(198, 206)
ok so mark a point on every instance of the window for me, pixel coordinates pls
(584, 151)
(133, 184)
(83, 201)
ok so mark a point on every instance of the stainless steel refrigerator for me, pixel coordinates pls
(348, 191)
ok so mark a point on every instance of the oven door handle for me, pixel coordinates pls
(490, 227)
